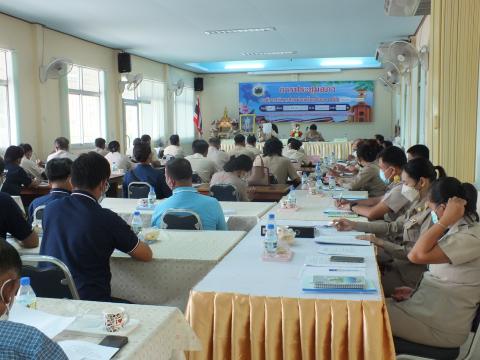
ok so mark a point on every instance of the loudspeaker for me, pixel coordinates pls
(198, 84)
(124, 63)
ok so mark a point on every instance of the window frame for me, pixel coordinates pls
(9, 84)
(176, 122)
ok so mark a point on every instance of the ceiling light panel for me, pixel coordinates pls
(268, 53)
(239, 31)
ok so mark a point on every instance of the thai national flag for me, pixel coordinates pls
(197, 116)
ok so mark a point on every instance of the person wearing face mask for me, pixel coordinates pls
(367, 178)
(396, 238)
(82, 234)
(443, 305)
(393, 204)
(235, 172)
(19, 341)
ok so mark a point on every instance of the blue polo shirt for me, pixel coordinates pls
(45, 200)
(146, 173)
(82, 234)
(14, 180)
(208, 208)
(12, 220)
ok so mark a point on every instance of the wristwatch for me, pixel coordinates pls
(352, 205)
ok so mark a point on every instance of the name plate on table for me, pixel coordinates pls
(300, 231)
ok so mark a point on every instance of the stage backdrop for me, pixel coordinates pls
(311, 101)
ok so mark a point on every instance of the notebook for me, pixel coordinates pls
(351, 195)
(336, 280)
(340, 213)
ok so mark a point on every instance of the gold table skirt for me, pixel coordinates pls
(232, 326)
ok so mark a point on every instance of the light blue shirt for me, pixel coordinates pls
(208, 208)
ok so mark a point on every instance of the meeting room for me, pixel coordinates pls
(239, 180)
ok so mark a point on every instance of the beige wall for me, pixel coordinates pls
(221, 90)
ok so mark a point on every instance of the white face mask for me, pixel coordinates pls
(355, 153)
(4, 316)
(410, 193)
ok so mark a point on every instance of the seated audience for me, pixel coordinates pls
(61, 145)
(201, 166)
(380, 139)
(148, 140)
(235, 173)
(174, 149)
(58, 175)
(397, 238)
(82, 234)
(293, 151)
(114, 156)
(239, 148)
(387, 144)
(129, 151)
(368, 178)
(100, 146)
(279, 166)
(144, 172)
(252, 145)
(16, 177)
(418, 150)
(440, 310)
(19, 341)
(30, 166)
(179, 177)
(219, 157)
(313, 135)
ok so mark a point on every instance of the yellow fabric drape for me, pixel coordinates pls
(453, 85)
(232, 326)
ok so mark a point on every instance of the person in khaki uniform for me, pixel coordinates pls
(368, 178)
(201, 166)
(441, 309)
(398, 237)
(252, 145)
(240, 148)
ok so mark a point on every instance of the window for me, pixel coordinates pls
(184, 109)
(8, 123)
(144, 110)
(421, 105)
(86, 106)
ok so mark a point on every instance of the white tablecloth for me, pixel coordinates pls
(180, 260)
(240, 215)
(274, 279)
(163, 332)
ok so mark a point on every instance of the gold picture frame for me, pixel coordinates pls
(247, 123)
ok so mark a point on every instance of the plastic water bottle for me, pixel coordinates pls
(270, 241)
(334, 158)
(331, 183)
(114, 167)
(319, 184)
(318, 170)
(292, 197)
(271, 220)
(304, 179)
(137, 222)
(26, 296)
(152, 196)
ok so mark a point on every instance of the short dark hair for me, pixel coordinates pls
(174, 139)
(273, 146)
(113, 146)
(240, 162)
(26, 147)
(367, 152)
(89, 170)
(239, 139)
(100, 143)
(146, 138)
(136, 141)
(13, 153)
(9, 258)
(387, 144)
(380, 138)
(2, 165)
(295, 143)
(179, 169)
(199, 146)
(58, 169)
(215, 141)
(275, 128)
(251, 139)
(313, 127)
(62, 143)
(393, 156)
(141, 152)
(419, 150)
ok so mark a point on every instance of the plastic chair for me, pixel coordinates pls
(196, 179)
(138, 190)
(411, 351)
(52, 281)
(38, 213)
(224, 192)
(180, 219)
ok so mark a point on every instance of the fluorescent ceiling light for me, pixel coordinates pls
(246, 66)
(236, 31)
(280, 72)
(264, 53)
(341, 62)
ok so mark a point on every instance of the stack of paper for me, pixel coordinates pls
(341, 240)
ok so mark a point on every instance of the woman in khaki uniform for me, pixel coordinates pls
(368, 178)
(398, 237)
(441, 309)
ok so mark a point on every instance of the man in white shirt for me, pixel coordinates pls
(202, 166)
(122, 162)
(219, 157)
(239, 148)
(252, 145)
(61, 150)
(174, 149)
(294, 151)
(28, 164)
(100, 146)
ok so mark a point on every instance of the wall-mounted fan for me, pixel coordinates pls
(404, 55)
(391, 75)
(131, 82)
(56, 69)
(177, 88)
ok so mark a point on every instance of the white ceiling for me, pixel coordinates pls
(172, 31)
